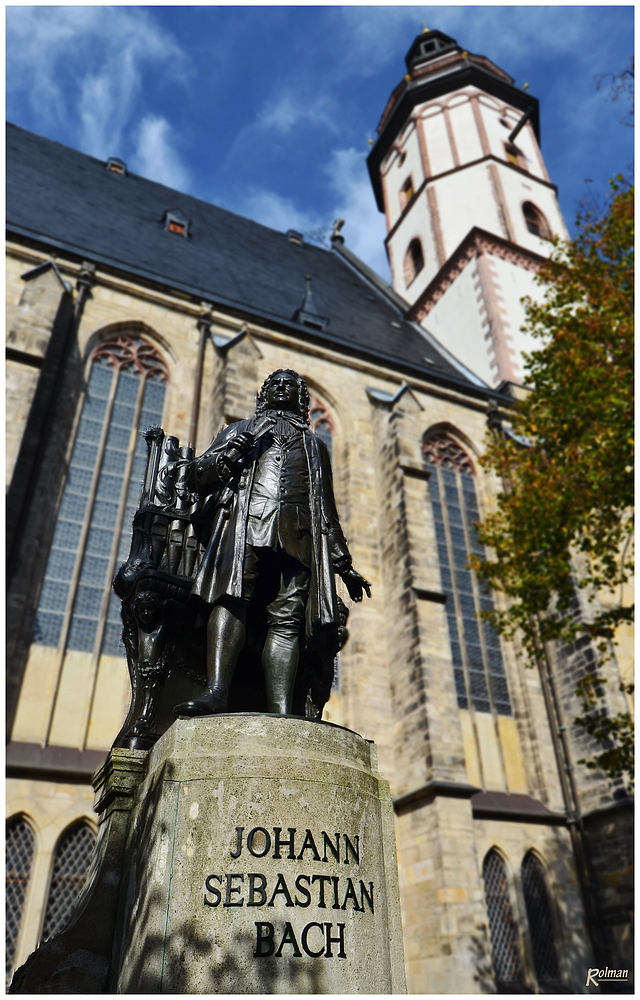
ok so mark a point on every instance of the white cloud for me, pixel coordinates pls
(289, 109)
(284, 115)
(155, 156)
(369, 38)
(353, 201)
(365, 227)
(79, 70)
(279, 213)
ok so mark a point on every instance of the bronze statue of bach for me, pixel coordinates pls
(275, 530)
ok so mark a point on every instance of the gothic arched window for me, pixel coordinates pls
(70, 867)
(413, 261)
(504, 944)
(320, 420)
(475, 646)
(535, 221)
(125, 396)
(21, 843)
(540, 919)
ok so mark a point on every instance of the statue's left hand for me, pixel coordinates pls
(356, 585)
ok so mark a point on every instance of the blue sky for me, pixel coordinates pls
(267, 110)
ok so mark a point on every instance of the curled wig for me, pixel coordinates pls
(303, 393)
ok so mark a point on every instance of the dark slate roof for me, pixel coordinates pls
(61, 198)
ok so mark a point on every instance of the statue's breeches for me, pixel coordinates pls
(286, 611)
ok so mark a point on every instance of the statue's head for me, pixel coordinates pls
(284, 390)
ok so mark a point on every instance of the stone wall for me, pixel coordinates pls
(396, 683)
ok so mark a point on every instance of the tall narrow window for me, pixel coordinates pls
(475, 647)
(321, 423)
(69, 875)
(513, 155)
(21, 844)
(504, 946)
(540, 919)
(413, 261)
(406, 193)
(125, 395)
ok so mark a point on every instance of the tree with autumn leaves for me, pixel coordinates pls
(565, 459)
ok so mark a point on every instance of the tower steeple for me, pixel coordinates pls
(457, 190)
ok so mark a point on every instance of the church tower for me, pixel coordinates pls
(470, 209)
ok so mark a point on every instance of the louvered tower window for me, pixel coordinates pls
(504, 946)
(69, 875)
(21, 844)
(125, 396)
(540, 919)
(475, 647)
(321, 423)
(413, 261)
(535, 221)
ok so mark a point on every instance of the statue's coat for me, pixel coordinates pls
(221, 569)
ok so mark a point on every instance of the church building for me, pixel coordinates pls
(130, 304)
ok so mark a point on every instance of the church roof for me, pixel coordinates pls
(61, 198)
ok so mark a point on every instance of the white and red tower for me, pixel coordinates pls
(470, 209)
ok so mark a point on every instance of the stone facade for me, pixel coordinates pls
(464, 781)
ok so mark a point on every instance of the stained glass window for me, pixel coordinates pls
(125, 395)
(475, 646)
(21, 844)
(321, 422)
(69, 875)
(504, 947)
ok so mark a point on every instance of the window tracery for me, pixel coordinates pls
(125, 395)
(476, 653)
(504, 944)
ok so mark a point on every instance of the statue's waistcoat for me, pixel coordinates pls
(279, 512)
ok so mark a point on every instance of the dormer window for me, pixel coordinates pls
(433, 45)
(406, 193)
(176, 222)
(429, 45)
(116, 166)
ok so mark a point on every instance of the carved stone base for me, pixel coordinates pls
(261, 859)
(242, 854)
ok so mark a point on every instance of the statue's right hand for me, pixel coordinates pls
(243, 443)
(238, 447)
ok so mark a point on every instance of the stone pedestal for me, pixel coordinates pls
(260, 859)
